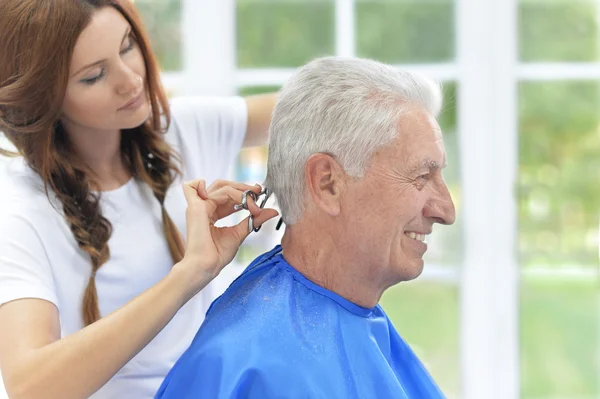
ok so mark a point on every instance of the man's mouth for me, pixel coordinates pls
(416, 236)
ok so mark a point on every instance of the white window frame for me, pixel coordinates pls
(487, 72)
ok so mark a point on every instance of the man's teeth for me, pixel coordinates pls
(415, 236)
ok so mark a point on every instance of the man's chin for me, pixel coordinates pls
(409, 272)
(414, 273)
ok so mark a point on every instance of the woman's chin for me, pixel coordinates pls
(137, 120)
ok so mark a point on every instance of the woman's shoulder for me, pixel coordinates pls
(22, 189)
(208, 133)
(207, 112)
(206, 105)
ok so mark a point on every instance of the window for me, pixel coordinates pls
(558, 205)
(162, 19)
(508, 305)
(558, 238)
(411, 31)
(283, 33)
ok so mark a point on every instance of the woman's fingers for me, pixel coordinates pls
(242, 230)
(224, 196)
(226, 199)
(264, 216)
(218, 184)
(201, 190)
(191, 190)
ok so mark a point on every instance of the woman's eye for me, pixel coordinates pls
(128, 48)
(92, 80)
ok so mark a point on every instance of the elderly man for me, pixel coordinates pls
(355, 161)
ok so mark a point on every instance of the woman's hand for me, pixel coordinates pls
(38, 363)
(210, 248)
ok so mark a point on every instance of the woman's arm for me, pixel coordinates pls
(260, 108)
(37, 363)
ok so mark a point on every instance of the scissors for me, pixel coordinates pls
(244, 205)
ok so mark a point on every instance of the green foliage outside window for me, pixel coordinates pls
(558, 181)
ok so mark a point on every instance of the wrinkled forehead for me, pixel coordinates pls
(416, 124)
(419, 145)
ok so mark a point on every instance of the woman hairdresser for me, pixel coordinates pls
(105, 254)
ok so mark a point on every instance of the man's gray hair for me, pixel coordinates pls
(346, 107)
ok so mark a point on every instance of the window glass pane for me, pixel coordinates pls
(558, 30)
(558, 210)
(426, 316)
(559, 168)
(283, 33)
(162, 19)
(405, 31)
(559, 335)
(248, 91)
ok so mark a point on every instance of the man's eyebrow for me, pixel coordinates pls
(102, 60)
(428, 164)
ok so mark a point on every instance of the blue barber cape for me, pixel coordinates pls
(275, 334)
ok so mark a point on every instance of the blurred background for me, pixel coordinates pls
(509, 303)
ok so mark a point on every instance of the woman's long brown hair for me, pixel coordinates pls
(37, 39)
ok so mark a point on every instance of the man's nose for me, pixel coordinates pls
(440, 207)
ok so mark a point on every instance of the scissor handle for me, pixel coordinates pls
(255, 197)
(244, 203)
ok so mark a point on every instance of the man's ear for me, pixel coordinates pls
(325, 180)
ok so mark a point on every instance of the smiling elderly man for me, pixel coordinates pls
(355, 160)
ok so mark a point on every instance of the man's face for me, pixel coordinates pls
(391, 209)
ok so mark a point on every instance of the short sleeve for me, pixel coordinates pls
(24, 267)
(208, 133)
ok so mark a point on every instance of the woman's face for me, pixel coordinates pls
(106, 88)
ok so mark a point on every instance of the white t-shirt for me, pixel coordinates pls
(39, 258)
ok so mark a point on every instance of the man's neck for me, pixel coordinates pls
(326, 264)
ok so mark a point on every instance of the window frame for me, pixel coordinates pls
(487, 71)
